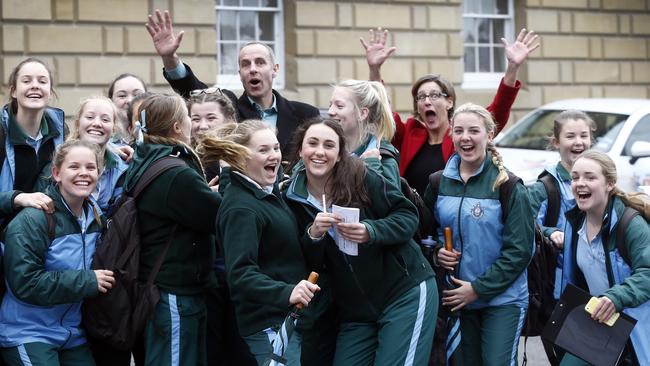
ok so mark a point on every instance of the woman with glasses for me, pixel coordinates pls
(424, 141)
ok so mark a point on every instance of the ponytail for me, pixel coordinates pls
(211, 148)
(498, 161)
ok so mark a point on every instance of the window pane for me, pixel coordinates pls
(502, 7)
(471, 6)
(228, 59)
(231, 2)
(247, 25)
(497, 30)
(253, 3)
(228, 25)
(470, 63)
(483, 30)
(270, 3)
(488, 6)
(499, 59)
(266, 26)
(469, 32)
(484, 59)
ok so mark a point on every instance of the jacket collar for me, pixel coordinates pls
(257, 190)
(452, 169)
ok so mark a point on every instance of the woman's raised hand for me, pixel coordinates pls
(376, 51)
(518, 51)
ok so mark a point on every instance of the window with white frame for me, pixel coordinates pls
(243, 21)
(485, 22)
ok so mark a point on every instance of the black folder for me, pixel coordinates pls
(572, 329)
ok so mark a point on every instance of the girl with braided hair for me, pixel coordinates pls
(490, 252)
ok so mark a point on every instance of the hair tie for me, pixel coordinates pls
(141, 128)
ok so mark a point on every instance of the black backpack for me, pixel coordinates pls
(541, 270)
(425, 219)
(119, 316)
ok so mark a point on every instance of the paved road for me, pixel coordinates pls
(534, 350)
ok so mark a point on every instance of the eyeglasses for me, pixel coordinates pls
(434, 95)
(197, 92)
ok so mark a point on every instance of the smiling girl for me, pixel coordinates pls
(95, 123)
(386, 295)
(592, 260)
(363, 110)
(489, 255)
(573, 133)
(40, 317)
(259, 235)
(31, 131)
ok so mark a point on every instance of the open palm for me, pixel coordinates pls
(518, 51)
(162, 34)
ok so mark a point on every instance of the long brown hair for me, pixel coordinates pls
(347, 181)
(13, 80)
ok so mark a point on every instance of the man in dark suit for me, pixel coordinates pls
(257, 69)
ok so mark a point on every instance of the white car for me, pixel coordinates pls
(623, 132)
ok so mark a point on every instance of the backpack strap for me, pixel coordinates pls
(505, 191)
(385, 153)
(434, 183)
(154, 171)
(3, 151)
(553, 197)
(51, 226)
(621, 228)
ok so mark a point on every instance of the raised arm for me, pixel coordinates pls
(165, 42)
(517, 53)
(376, 52)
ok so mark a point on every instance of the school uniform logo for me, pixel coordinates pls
(477, 210)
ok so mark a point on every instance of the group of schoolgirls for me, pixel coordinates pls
(377, 306)
(58, 187)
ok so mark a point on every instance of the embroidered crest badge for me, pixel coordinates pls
(477, 210)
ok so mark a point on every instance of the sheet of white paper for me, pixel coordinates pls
(349, 214)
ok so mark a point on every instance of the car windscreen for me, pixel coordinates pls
(534, 131)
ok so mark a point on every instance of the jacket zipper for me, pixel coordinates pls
(356, 281)
(460, 235)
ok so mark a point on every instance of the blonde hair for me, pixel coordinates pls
(161, 112)
(74, 129)
(637, 200)
(372, 96)
(228, 143)
(490, 127)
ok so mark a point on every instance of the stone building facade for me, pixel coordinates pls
(591, 48)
